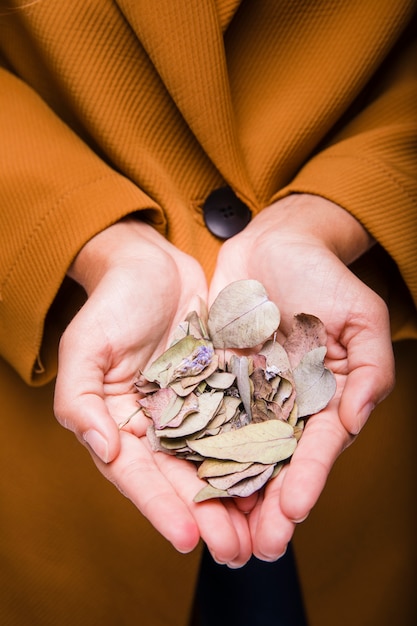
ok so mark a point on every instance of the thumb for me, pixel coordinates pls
(79, 402)
(88, 418)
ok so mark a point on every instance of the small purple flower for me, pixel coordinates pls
(196, 362)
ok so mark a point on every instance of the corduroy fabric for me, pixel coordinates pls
(156, 102)
(113, 107)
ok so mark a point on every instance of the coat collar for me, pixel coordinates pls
(184, 40)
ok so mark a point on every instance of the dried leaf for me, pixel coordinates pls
(284, 399)
(315, 384)
(307, 332)
(240, 368)
(197, 327)
(221, 380)
(187, 357)
(208, 404)
(238, 419)
(242, 316)
(173, 443)
(261, 411)
(267, 442)
(226, 412)
(190, 404)
(217, 467)
(262, 388)
(227, 481)
(298, 429)
(186, 384)
(208, 492)
(181, 331)
(276, 357)
(248, 486)
(161, 406)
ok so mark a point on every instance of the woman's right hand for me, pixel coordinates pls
(139, 288)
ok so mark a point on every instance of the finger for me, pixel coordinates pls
(87, 416)
(79, 404)
(136, 475)
(222, 525)
(323, 440)
(271, 530)
(372, 374)
(240, 522)
(247, 504)
(222, 528)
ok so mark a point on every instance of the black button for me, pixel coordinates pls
(224, 214)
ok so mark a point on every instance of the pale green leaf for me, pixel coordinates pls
(266, 442)
(218, 467)
(220, 380)
(173, 362)
(242, 316)
(315, 384)
(208, 404)
(208, 492)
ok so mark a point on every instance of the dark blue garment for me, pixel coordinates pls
(258, 594)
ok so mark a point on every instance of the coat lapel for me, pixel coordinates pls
(184, 40)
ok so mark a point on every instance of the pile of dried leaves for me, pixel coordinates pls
(238, 417)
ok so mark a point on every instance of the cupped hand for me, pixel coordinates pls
(139, 288)
(299, 249)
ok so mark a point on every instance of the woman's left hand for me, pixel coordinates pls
(299, 249)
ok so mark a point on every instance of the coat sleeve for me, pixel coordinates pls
(55, 194)
(369, 167)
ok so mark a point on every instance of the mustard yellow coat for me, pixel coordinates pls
(109, 107)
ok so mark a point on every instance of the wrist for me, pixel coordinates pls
(313, 218)
(108, 249)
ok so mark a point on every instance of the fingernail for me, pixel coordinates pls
(362, 418)
(270, 558)
(98, 444)
(300, 519)
(216, 560)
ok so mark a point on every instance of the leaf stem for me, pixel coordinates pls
(127, 420)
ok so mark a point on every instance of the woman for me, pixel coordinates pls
(120, 121)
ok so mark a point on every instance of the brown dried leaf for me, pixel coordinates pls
(284, 399)
(189, 405)
(261, 411)
(248, 486)
(227, 481)
(307, 332)
(240, 368)
(161, 406)
(262, 388)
